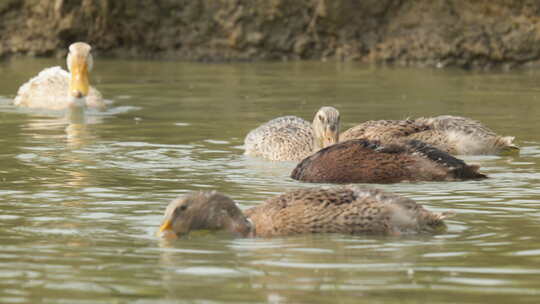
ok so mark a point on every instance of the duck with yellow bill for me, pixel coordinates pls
(56, 89)
(345, 209)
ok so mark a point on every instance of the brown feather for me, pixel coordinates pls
(345, 209)
(452, 134)
(364, 161)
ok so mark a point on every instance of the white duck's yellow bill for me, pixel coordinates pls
(79, 77)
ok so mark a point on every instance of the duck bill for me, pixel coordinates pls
(79, 84)
(166, 226)
(329, 138)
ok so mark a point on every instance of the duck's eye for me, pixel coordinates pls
(180, 209)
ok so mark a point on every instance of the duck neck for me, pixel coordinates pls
(240, 226)
(317, 139)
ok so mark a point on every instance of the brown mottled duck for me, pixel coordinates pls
(365, 161)
(453, 134)
(345, 209)
(56, 89)
(293, 138)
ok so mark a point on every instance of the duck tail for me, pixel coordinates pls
(458, 168)
(434, 222)
(468, 172)
(507, 144)
(446, 214)
(438, 218)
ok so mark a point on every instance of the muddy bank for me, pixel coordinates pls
(423, 32)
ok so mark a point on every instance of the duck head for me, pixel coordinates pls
(204, 211)
(79, 62)
(326, 127)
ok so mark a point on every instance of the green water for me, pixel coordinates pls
(79, 205)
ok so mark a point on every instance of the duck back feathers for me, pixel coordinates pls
(282, 138)
(49, 90)
(384, 130)
(292, 138)
(465, 136)
(347, 209)
(452, 134)
(365, 161)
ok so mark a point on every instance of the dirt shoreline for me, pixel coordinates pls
(468, 34)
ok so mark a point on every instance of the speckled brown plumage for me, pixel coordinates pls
(292, 138)
(346, 209)
(364, 161)
(453, 134)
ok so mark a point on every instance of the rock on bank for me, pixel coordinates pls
(463, 33)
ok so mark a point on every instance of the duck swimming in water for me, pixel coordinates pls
(293, 138)
(347, 209)
(56, 89)
(365, 161)
(453, 134)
